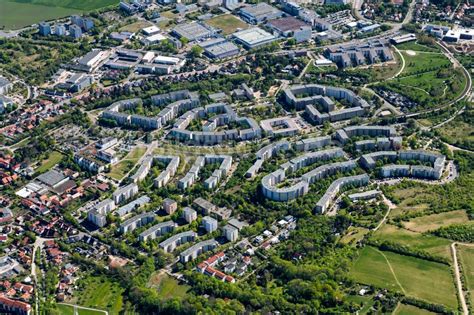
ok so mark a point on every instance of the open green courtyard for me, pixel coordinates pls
(119, 170)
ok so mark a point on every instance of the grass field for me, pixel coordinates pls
(415, 277)
(366, 302)
(404, 309)
(167, 287)
(353, 235)
(54, 158)
(100, 293)
(69, 310)
(466, 257)
(460, 131)
(423, 61)
(65, 309)
(431, 244)
(435, 221)
(135, 26)
(410, 200)
(227, 23)
(16, 14)
(417, 47)
(119, 170)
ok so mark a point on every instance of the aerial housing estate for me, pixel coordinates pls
(318, 104)
(221, 115)
(176, 102)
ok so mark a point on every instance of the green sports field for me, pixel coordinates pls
(15, 14)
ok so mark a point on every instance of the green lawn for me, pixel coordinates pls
(417, 47)
(65, 309)
(228, 23)
(415, 277)
(54, 158)
(16, 14)
(100, 293)
(404, 309)
(431, 244)
(423, 61)
(119, 170)
(466, 257)
(167, 286)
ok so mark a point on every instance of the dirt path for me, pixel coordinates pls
(457, 274)
(403, 63)
(390, 207)
(392, 271)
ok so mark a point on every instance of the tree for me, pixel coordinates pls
(196, 51)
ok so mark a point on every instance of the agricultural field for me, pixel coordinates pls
(466, 257)
(434, 245)
(422, 279)
(435, 221)
(119, 170)
(227, 23)
(15, 14)
(100, 293)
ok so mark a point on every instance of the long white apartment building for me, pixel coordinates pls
(157, 230)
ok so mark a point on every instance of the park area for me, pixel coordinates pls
(428, 77)
(418, 278)
(15, 14)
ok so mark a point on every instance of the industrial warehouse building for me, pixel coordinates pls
(253, 37)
